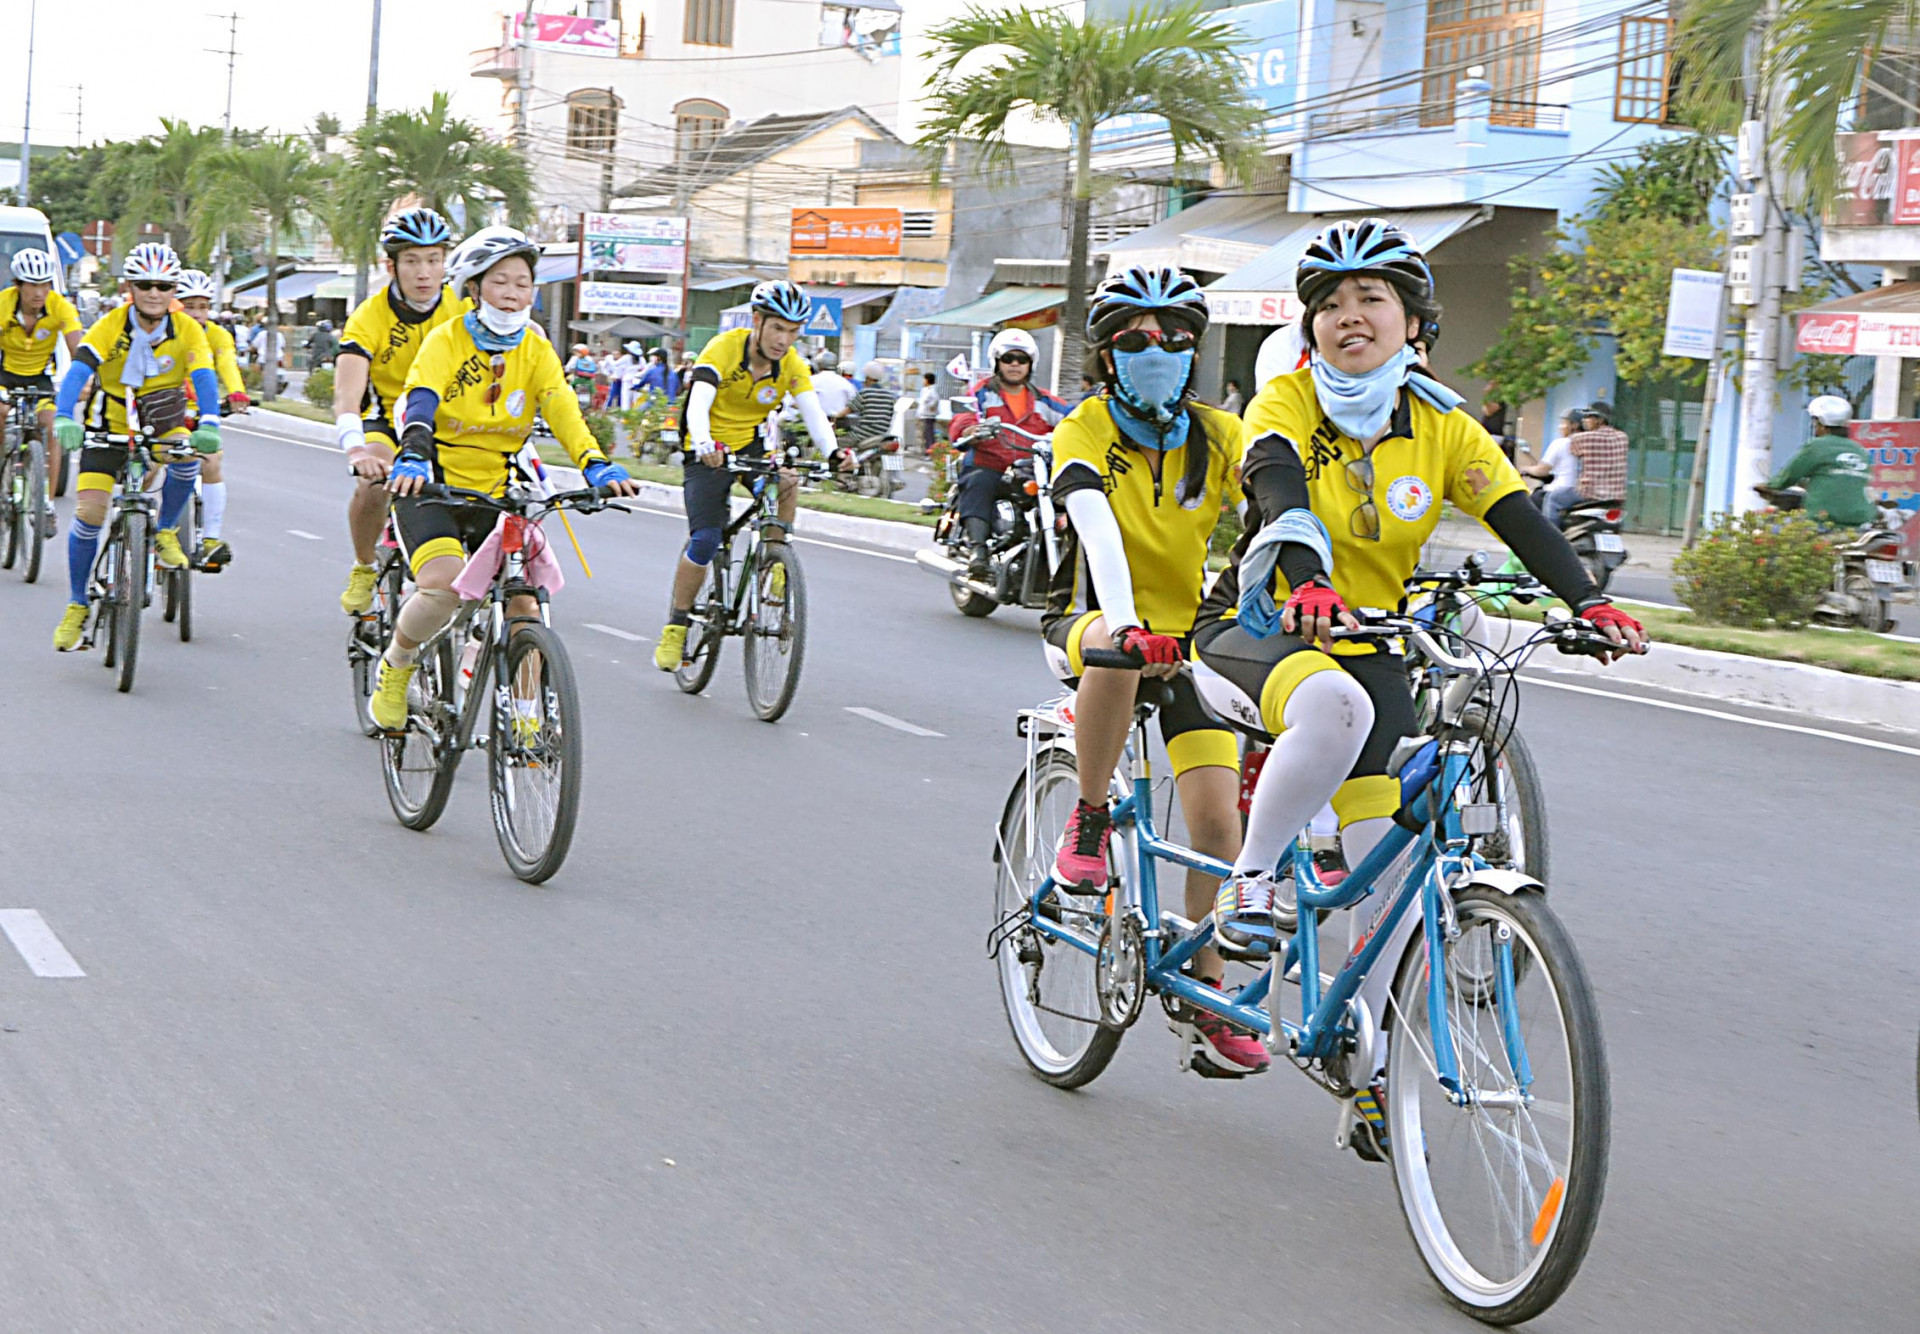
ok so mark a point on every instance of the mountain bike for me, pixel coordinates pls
(1460, 1034)
(509, 691)
(26, 515)
(125, 571)
(756, 590)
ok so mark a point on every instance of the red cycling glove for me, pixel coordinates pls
(236, 402)
(1604, 614)
(1314, 600)
(1152, 650)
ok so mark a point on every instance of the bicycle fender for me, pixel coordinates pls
(1507, 882)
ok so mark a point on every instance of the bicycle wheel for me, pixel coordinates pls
(1513, 779)
(419, 764)
(11, 500)
(367, 638)
(184, 603)
(705, 634)
(1047, 985)
(57, 477)
(534, 756)
(129, 594)
(1504, 1195)
(776, 632)
(31, 523)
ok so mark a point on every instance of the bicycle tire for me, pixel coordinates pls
(1527, 845)
(1561, 1187)
(185, 579)
(705, 634)
(33, 520)
(418, 766)
(558, 746)
(129, 591)
(9, 511)
(1047, 1034)
(776, 634)
(170, 599)
(57, 477)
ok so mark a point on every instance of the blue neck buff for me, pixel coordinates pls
(487, 340)
(1361, 405)
(1151, 396)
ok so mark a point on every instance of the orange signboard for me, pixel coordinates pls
(846, 231)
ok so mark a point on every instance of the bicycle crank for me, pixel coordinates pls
(1120, 973)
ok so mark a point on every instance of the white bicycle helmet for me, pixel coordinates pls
(152, 261)
(34, 266)
(1830, 410)
(1012, 340)
(195, 283)
(484, 249)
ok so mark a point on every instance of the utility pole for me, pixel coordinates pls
(360, 274)
(26, 122)
(523, 80)
(222, 260)
(79, 114)
(1753, 460)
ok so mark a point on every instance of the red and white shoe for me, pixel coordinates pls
(1080, 866)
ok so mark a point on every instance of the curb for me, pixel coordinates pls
(268, 421)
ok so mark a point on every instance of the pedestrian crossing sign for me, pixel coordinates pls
(825, 320)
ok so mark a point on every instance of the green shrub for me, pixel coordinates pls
(320, 387)
(601, 424)
(1756, 570)
(250, 377)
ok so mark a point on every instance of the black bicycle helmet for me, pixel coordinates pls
(1166, 292)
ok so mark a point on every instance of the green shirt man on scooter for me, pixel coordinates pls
(1831, 467)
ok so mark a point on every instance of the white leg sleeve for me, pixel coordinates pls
(1327, 720)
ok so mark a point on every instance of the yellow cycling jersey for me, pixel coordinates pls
(477, 430)
(389, 334)
(741, 403)
(1426, 456)
(226, 359)
(182, 350)
(24, 352)
(1164, 529)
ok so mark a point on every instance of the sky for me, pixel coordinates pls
(297, 59)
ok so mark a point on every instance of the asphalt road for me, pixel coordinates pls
(742, 1065)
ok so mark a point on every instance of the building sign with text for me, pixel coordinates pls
(1893, 454)
(632, 243)
(567, 32)
(846, 231)
(1879, 182)
(649, 301)
(1253, 307)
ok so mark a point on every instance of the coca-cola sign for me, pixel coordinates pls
(1832, 335)
(1879, 181)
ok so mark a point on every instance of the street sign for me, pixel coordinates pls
(825, 320)
(1693, 314)
(98, 239)
(650, 301)
(70, 246)
(632, 243)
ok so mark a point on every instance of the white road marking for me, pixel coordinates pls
(1821, 732)
(37, 944)
(301, 532)
(858, 551)
(888, 720)
(627, 635)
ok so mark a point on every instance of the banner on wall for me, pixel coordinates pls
(633, 243)
(650, 301)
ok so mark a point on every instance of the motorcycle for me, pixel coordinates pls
(1593, 527)
(1867, 567)
(870, 468)
(1023, 547)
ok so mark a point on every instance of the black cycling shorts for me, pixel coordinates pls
(430, 531)
(32, 391)
(1193, 736)
(708, 491)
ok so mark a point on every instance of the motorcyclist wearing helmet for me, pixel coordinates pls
(197, 292)
(1144, 473)
(33, 319)
(1007, 394)
(835, 389)
(739, 381)
(472, 395)
(1347, 464)
(1831, 467)
(145, 354)
(370, 367)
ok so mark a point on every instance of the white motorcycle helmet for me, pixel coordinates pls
(1012, 340)
(1830, 410)
(1281, 353)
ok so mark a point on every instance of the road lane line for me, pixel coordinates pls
(311, 537)
(627, 635)
(1725, 716)
(37, 944)
(858, 551)
(888, 720)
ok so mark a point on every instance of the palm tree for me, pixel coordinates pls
(162, 176)
(1173, 64)
(1815, 57)
(271, 183)
(451, 164)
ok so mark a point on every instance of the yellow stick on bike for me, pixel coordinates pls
(546, 484)
(576, 545)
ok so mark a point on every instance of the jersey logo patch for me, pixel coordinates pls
(766, 394)
(516, 402)
(165, 363)
(43, 333)
(1409, 497)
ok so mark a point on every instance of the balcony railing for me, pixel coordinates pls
(1508, 113)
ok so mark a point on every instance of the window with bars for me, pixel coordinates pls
(696, 124)
(1644, 88)
(593, 123)
(709, 23)
(917, 224)
(1503, 36)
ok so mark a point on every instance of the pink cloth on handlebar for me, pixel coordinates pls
(476, 577)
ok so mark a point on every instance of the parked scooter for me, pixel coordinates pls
(1024, 546)
(1867, 567)
(871, 468)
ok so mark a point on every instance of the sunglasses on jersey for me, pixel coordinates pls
(1365, 521)
(1169, 340)
(147, 286)
(499, 368)
(1017, 358)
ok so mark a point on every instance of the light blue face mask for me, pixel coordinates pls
(1152, 385)
(1361, 405)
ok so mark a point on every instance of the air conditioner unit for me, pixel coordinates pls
(1752, 154)
(1741, 214)
(1741, 276)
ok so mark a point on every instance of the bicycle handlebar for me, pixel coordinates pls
(174, 451)
(587, 499)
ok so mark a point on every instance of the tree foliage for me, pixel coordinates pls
(160, 177)
(447, 163)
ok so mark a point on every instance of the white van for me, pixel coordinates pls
(26, 229)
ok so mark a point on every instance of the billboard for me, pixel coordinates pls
(1859, 334)
(569, 33)
(1879, 181)
(1270, 58)
(632, 243)
(846, 231)
(650, 301)
(1253, 307)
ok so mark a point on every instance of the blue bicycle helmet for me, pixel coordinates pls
(415, 229)
(1363, 245)
(782, 300)
(1166, 292)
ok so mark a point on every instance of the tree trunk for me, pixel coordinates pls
(270, 361)
(1073, 317)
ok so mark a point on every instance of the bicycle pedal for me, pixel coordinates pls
(1206, 1069)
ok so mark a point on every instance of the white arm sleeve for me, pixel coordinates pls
(699, 401)
(815, 417)
(1099, 534)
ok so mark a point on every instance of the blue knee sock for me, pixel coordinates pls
(177, 491)
(83, 542)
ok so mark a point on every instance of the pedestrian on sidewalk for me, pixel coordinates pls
(1235, 401)
(1602, 451)
(927, 409)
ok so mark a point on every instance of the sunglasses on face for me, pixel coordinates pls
(1017, 358)
(153, 287)
(1139, 340)
(499, 368)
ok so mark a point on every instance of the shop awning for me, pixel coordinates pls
(1883, 322)
(621, 326)
(291, 287)
(849, 296)
(556, 269)
(1216, 235)
(1261, 292)
(996, 308)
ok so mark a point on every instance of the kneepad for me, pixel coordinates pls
(702, 545)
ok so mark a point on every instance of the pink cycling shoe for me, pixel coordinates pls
(1234, 1049)
(1080, 866)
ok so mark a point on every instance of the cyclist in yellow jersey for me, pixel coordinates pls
(136, 350)
(377, 348)
(197, 293)
(33, 319)
(471, 397)
(1347, 464)
(1144, 473)
(740, 379)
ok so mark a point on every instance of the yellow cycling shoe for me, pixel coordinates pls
(672, 648)
(66, 637)
(166, 549)
(389, 703)
(358, 599)
(777, 582)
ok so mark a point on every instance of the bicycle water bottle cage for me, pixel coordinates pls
(162, 410)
